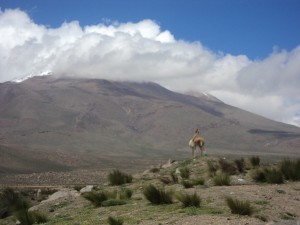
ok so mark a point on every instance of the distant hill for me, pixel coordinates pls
(49, 123)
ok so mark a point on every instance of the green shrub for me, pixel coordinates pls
(112, 202)
(227, 167)
(188, 200)
(269, 175)
(117, 177)
(212, 168)
(187, 184)
(239, 207)
(114, 221)
(222, 179)
(240, 165)
(273, 176)
(38, 217)
(259, 175)
(290, 169)
(156, 196)
(184, 172)
(255, 161)
(11, 201)
(96, 198)
(126, 193)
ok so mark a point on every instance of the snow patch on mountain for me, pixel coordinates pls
(44, 73)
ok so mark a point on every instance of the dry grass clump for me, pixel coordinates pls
(222, 179)
(117, 177)
(269, 175)
(239, 206)
(227, 167)
(240, 165)
(156, 196)
(189, 200)
(255, 161)
(290, 169)
(184, 172)
(114, 221)
(12, 202)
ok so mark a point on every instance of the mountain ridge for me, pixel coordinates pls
(83, 123)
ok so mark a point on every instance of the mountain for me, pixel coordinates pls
(49, 123)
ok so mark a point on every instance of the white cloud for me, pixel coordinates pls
(143, 52)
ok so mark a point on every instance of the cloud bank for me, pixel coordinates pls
(143, 52)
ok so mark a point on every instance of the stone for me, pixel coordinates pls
(86, 189)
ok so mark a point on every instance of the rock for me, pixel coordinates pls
(63, 193)
(168, 164)
(88, 188)
(38, 193)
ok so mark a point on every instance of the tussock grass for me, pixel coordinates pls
(227, 167)
(96, 198)
(240, 165)
(32, 217)
(117, 177)
(254, 161)
(269, 175)
(222, 179)
(274, 176)
(239, 206)
(187, 184)
(290, 169)
(184, 172)
(156, 196)
(212, 168)
(105, 198)
(114, 221)
(189, 200)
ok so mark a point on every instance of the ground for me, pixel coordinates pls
(272, 203)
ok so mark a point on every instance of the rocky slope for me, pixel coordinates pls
(272, 203)
(62, 124)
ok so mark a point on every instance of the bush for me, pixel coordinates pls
(188, 200)
(227, 167)
(273, 176)
(96, 198)
(184, 172)
(255, 161)
(269, 175)
(11, 201)
(118, 178)
(114, 221)
(187, 184)
(239, 207)
(259, 175)
(212, 168)
(290, 169)
(240, 164)
(156, 196)
(222, 179)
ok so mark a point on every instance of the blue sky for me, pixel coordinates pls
(250, 27)
(244, 52)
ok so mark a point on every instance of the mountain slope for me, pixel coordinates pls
(82, 123)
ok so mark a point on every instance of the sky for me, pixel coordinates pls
(246, 53)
